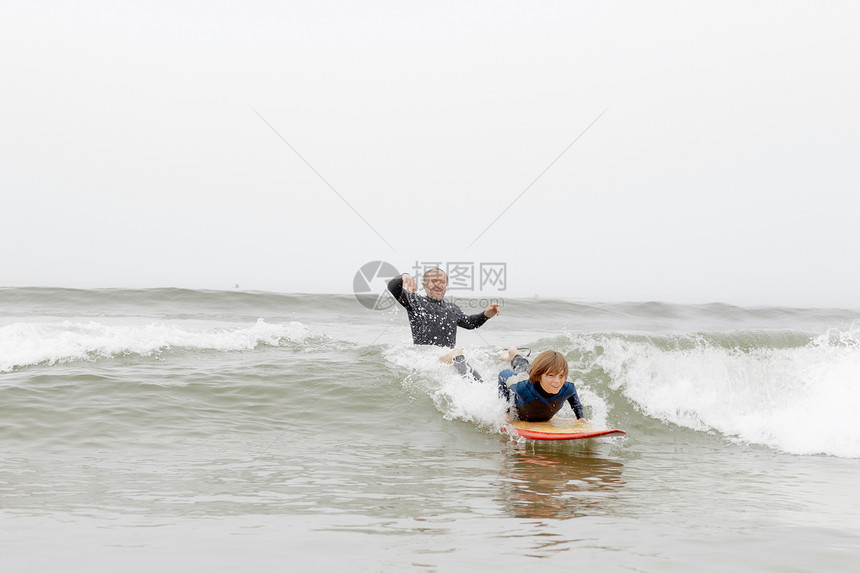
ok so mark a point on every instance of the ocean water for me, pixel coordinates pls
(183, 430)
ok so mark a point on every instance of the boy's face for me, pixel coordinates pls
(552, 382)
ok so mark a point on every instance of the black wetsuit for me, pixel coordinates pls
(435, 322)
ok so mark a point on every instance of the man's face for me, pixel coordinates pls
(435, 284)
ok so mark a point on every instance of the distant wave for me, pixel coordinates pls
(30, 343)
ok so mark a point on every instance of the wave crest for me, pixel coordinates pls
(27, 344)
(799, 399)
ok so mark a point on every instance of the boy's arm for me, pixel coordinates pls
(575, 404)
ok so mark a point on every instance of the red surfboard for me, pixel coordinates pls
(557, 429)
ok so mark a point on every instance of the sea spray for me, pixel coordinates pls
(798, 399)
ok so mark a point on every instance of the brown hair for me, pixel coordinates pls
(547, 361)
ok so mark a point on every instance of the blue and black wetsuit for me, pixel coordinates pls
(435, 322)
(533, 403)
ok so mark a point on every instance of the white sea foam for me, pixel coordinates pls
(29, 343)
(798, 400)
(460, 399)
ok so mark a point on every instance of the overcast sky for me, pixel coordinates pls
(281, 145)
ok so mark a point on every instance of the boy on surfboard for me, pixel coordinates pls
(538, 392)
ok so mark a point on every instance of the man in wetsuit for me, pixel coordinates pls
(434, 321)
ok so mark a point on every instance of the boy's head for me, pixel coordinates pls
(548, 362)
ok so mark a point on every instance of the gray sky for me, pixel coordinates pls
(724, 169)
